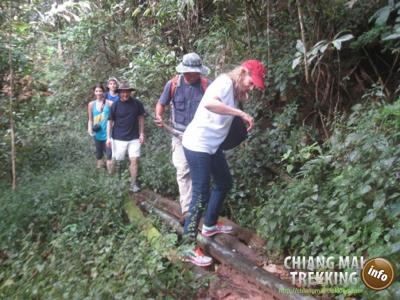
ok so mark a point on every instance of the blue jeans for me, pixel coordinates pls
(203, 167)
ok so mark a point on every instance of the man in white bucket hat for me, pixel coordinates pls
(183, 93)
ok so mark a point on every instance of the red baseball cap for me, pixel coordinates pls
(257, 71)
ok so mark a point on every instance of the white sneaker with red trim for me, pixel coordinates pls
(198, 258)
(217, 228)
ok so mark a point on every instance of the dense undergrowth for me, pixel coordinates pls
(319, 174)
(63, 234)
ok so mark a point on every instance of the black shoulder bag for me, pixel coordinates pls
(236, 135)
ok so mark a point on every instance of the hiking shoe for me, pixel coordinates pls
(217, 228)
(197, 257)
(134, 188)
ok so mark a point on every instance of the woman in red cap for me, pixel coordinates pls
(201, 141)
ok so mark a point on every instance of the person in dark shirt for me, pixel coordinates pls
(125, 130)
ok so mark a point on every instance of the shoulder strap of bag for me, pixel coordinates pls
(174, 84)
(176, 80)
(102, 105)
(204, 83)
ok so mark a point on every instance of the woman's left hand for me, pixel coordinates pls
(248, 120)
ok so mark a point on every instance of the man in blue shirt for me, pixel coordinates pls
(112, 94)
(183, 93)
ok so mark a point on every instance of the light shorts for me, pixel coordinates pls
(120, 148)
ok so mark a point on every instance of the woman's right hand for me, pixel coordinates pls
(90, 132)
(248, 120)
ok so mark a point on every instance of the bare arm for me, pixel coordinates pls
(216, 106)
(90, 119)
(110, 124)
(160, 109)
(141, 129)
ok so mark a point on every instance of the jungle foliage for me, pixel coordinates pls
(319, 174)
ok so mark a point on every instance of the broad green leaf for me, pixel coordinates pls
(21, 27)
(40, 267)
(395, 208)
(300, 46)
(365, 189)
(296, 62)
(137, 11)
(337, 44)
(352, 138)
(76, 17)
(381, 16)
(360, 204)
(369, 217)
(393, 36)
(147, 12)
(323, 48)
(395, 248)
(345, 37)
(8, 283)
(66, 17)
(86, 5)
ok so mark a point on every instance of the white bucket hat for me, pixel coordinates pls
(191, 63)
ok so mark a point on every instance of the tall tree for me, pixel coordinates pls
(11, 96)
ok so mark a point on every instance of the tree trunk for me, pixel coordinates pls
(60, 47)
(246, 11)
(12, 124)
(303, 39)
(269, 54)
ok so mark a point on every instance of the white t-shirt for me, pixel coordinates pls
(208, 130)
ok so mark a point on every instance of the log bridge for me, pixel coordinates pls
(242, 251)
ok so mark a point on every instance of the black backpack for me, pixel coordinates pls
(236, 135)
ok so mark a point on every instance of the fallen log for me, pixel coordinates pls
(229, 241)
(135, 216)
(172, 207)
(233, 241)
(258, 276)
(246, 235)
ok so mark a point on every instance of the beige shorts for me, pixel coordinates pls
(120, 148)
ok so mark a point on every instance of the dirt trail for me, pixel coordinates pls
(231, 285)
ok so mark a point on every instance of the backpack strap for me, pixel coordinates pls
(176, 81)
(204, 83)
(102, 105)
